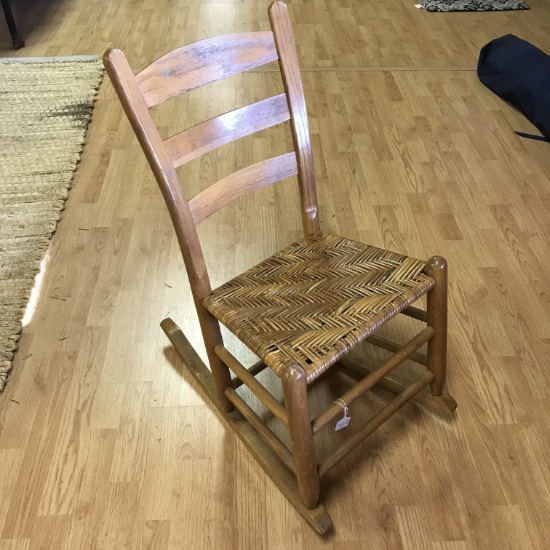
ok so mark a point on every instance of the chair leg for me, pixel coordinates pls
(301, 435)
(17, 41)
(436, 268)
(211, 333)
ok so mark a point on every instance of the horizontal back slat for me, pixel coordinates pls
(202, 138)
(204, 62)
(240, 183)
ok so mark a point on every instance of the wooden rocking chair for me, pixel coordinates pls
(302, 309)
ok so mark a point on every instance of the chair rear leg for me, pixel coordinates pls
(222, 380)
(212, 336)
(301, 435)
(436, 268)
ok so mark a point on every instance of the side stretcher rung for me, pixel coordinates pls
(259, 391)
(376, 421)
(255, 369)
(263, 430)
(443, 403)
(416, 313)
(419, 358)
(373, 378)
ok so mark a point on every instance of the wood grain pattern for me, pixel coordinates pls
(374, 423)
(195, 65)
(194, 142)
(269, 437)
(437, 319)
(443, 403)
(146, 130)
(253, 385)
(315, 515)
(398, 167)
(301, 435)
(240, 183)
(393, 347)
(290, 70)
(372, 379)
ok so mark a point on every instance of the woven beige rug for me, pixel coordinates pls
(45, 107)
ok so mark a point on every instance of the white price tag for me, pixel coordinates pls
(342, 423)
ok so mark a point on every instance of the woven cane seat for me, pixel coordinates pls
(313, 301)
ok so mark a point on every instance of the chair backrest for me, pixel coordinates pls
(195, 65)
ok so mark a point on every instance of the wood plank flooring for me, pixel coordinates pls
(105, 441)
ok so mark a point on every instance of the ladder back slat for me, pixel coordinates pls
(206, 136)
(240, 183)
(195, 65)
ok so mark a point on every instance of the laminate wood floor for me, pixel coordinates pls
(105, 441)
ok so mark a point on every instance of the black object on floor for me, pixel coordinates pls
(16, 40)
(532, 136)
(473, 5)
(518, 72)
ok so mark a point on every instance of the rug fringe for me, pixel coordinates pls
(58, 59)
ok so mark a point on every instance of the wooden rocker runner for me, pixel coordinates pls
(302, 309)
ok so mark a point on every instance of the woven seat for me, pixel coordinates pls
(314, 300)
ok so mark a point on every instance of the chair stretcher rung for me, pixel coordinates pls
(373, 378)
(416, 313)
(376, 421)
(266, 434)
(443, 403)
(255, 369)
(259, 391)
(419, 358)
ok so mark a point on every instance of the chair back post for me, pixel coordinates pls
(193, 66)
(290, 71)
(124, 82)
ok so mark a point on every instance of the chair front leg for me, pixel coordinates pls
(301, 435)
(436, 268)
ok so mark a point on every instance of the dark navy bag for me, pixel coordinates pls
(518, 72)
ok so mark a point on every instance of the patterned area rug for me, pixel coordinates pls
(45, 107)
(473, 5)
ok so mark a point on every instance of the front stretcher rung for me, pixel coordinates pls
(369, 381)
(375, 422)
